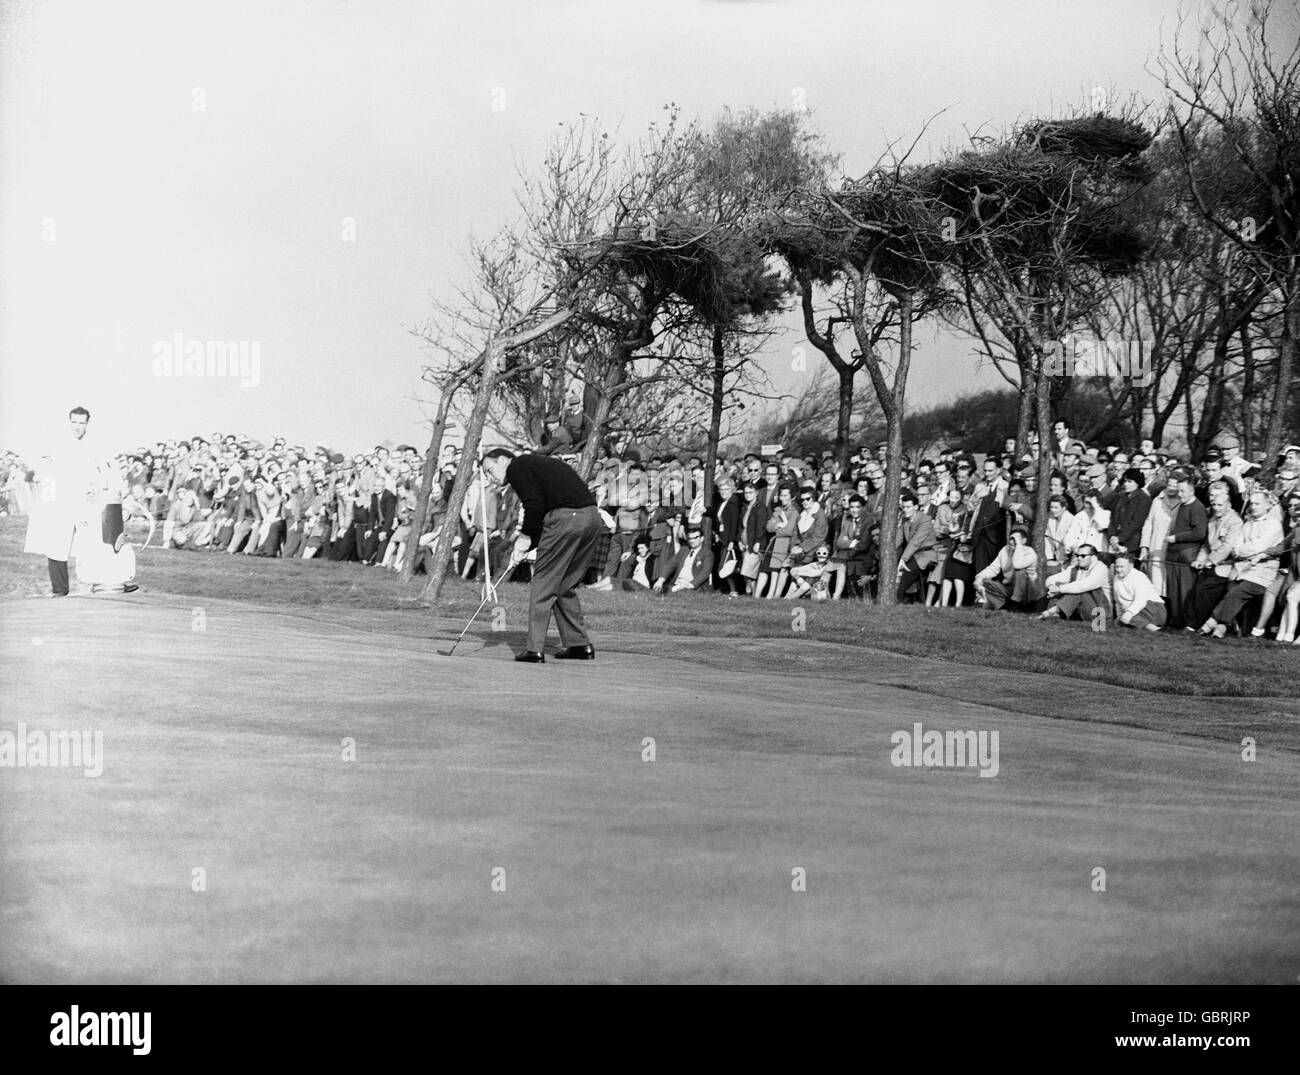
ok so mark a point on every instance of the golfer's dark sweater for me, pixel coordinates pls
(544, 484)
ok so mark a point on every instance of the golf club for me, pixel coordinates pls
(489, 593)
(486, 597)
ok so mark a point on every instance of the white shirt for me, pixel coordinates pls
(1092, 526)
(1257, 535)
(1224, 532)
(639, 573)
(1134, 593)
(1094, 578)
(1022, 558)
(684, 578)
(1062, 535)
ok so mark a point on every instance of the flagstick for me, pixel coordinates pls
(488, 589)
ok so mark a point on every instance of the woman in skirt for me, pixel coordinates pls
(952, 572)
(781, 527)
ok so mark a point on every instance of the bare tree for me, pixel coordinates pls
(1181, 310)
(800, 421)
(1235, 108)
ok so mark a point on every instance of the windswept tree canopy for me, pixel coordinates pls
(1055, 188)
(716, 270)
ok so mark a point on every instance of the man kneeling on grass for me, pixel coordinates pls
(1137, 602)
(690, 568)
(1079, 591)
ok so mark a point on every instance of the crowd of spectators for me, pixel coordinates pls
(1134, 535)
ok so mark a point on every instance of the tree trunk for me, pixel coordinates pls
(1285, 369)
(715, 432)
(844, 422)
(1025, 405)
(604, 404)
(491, 362)
(1160, 418)
(1043, 421)
(1137, 412)
(464, 474)
(427, 474)
(1247, 393)
(1199, 441)
(894, 407)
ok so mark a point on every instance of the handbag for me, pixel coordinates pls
(752, 561)
(728, 563)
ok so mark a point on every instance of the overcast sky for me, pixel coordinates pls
(174, 167)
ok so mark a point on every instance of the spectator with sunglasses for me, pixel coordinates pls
(812, 578)
(1081, 591)
(810, 526)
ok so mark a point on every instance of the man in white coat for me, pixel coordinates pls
(76, 486)
(1155, 535)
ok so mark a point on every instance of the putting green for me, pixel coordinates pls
(224, 751)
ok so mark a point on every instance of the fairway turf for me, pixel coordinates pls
(224, 751)
(1169, 663)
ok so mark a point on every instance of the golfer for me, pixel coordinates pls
(562, 523)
